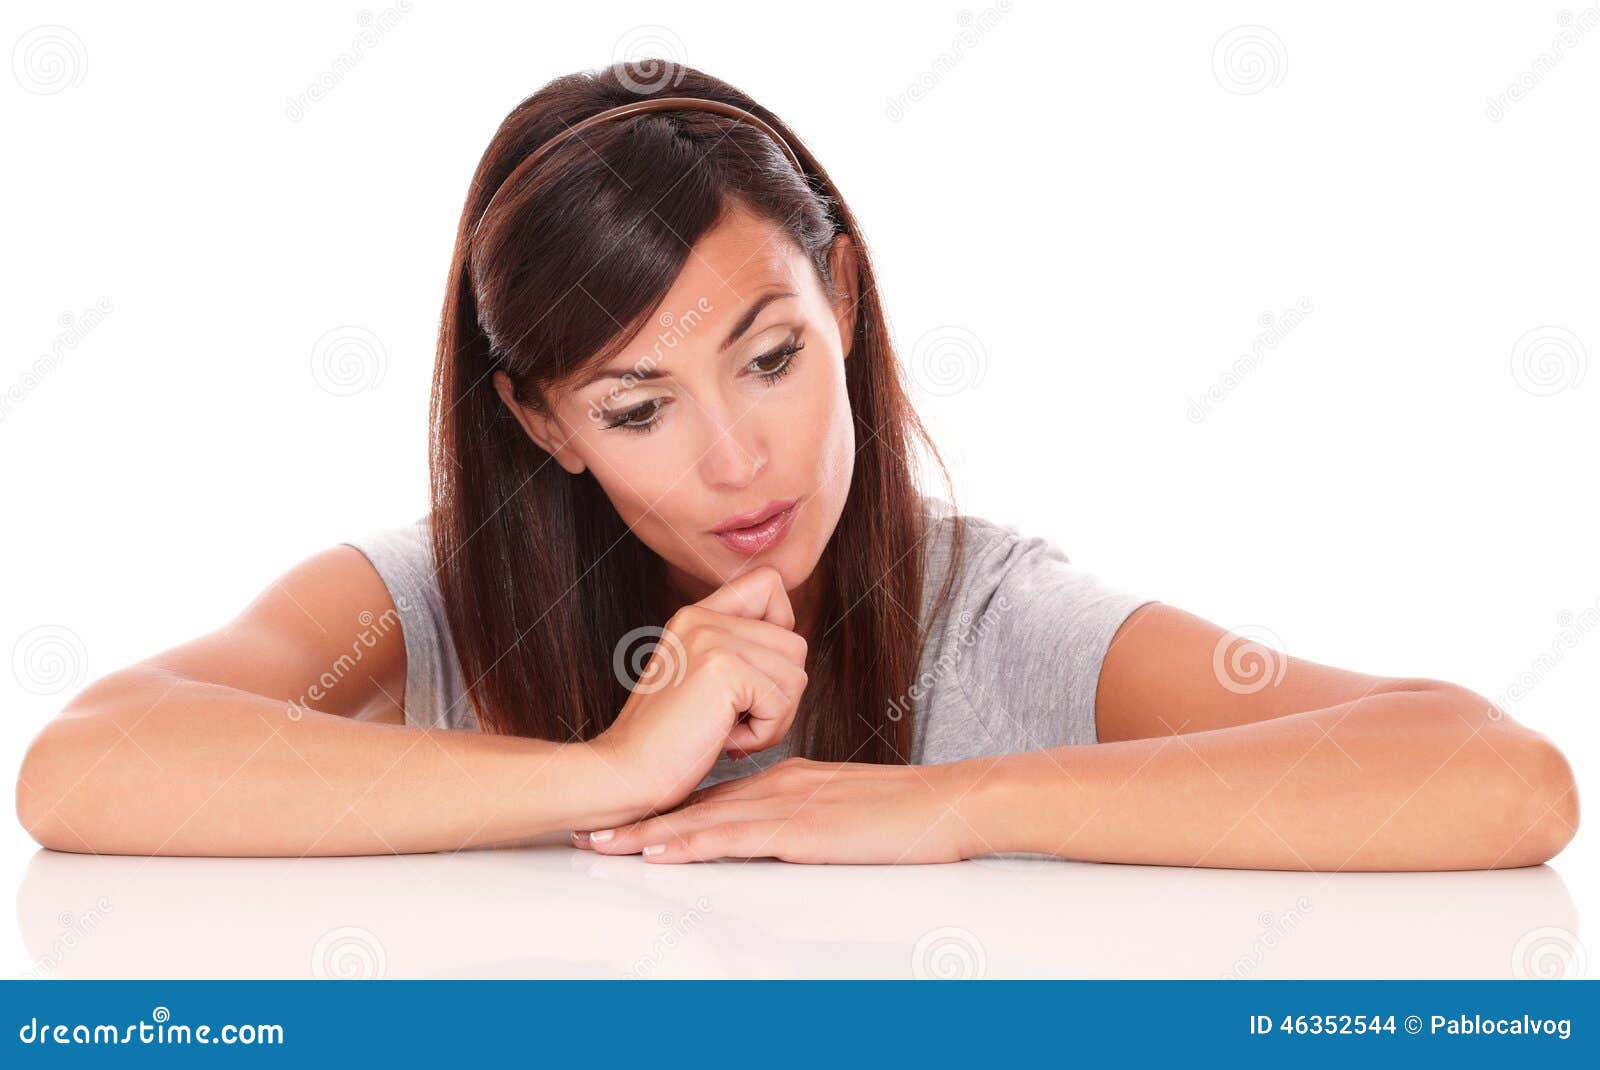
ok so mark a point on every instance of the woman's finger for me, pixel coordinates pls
(790, 645)
(768, 708)
(631, 838)
(758, 594)
(734, 839)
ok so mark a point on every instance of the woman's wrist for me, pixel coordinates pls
(1004, 807)
(590, 788)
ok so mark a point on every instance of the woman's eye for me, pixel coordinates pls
(769, 368)
(639, 418)
(775, 365)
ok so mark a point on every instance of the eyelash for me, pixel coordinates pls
(790, 350)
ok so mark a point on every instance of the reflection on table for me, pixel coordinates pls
(543, 909)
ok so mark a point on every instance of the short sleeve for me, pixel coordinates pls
(435, 693)
(1038, 627)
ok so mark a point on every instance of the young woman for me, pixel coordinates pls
(678, 591)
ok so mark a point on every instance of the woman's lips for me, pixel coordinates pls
(756, 538)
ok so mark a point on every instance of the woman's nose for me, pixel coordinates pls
(734, 454)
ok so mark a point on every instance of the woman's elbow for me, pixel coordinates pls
(1518, 778)
(1549, 818)
(43, 781)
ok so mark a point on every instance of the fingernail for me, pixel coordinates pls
(601, 835)
(579, 836)
(655, 848)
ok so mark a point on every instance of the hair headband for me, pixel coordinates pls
(634, 108)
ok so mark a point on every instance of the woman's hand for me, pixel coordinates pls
(726, 675)
(805, 811)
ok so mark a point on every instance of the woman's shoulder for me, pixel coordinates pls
(412, 540)
(974, 547)
(1023, 636)
(1021, 586)
(404, 558)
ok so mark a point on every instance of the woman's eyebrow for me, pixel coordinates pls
(636, 372)
(750, 315)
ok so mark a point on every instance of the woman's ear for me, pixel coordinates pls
(846, 280)
(546, 431)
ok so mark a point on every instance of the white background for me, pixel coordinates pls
(1105, 204)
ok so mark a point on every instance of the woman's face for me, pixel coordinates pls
(732, 399)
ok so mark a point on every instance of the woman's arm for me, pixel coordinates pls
(1244, 759)
(1398, 780)
(1168, 672)
(1284, 763)
(258, 740)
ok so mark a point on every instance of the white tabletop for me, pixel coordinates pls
(543, 910)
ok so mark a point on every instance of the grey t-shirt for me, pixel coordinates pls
(1012, 664)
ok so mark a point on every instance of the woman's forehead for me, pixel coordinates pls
(740, 255)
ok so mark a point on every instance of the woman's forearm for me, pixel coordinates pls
(146, 762)
(1411, 780)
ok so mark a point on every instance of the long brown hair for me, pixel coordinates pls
(540, 577)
